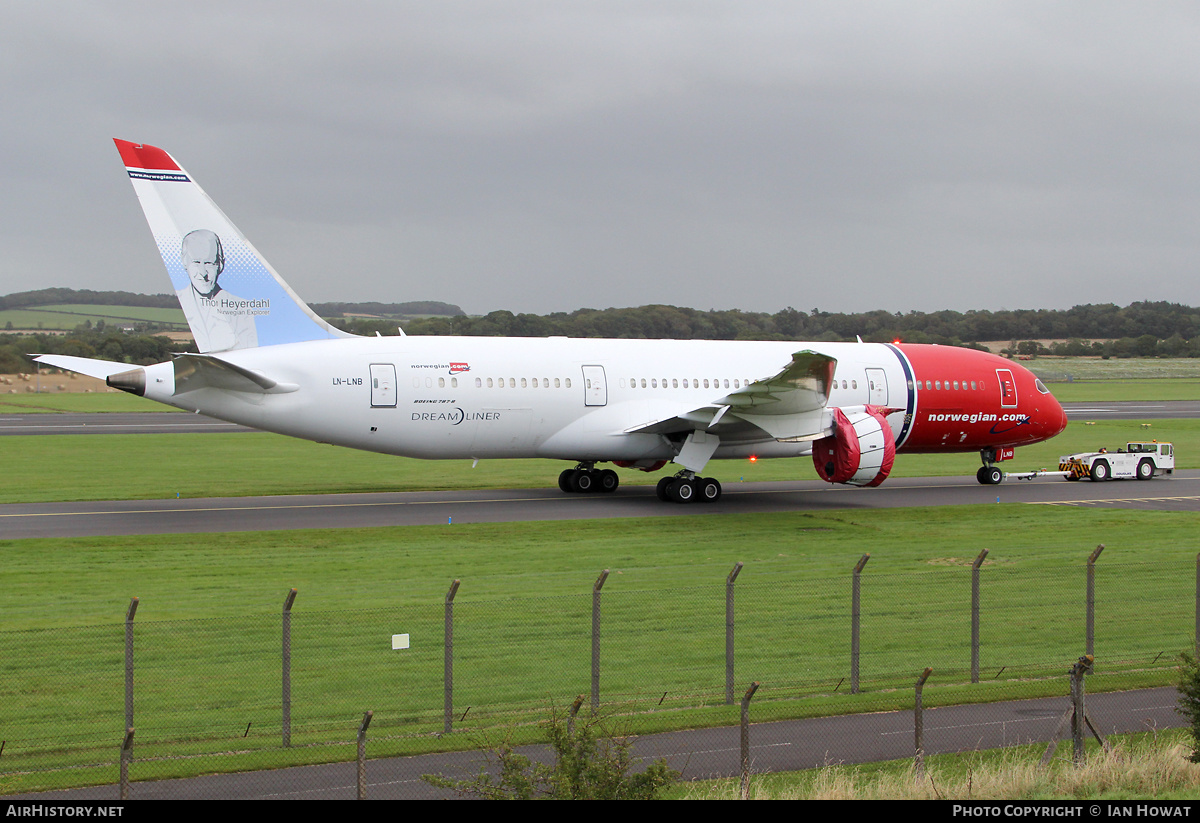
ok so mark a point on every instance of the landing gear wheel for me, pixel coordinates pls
(608, 481)
(564, 480)
(1145, 469)
(989, 475)
(663, 489)
(709, 490)
(1101, 470)
(682, 490)
(584, 481)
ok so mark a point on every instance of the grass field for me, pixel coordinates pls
(207, 630)
(208, 626)
(114, 466)
(1141, 766)
(65, 317)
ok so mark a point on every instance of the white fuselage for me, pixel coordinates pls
(481, 397)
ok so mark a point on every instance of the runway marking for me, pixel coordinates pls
(205, 509)
(1048, 719)
(595, 499)
(1110, 409)
(5, 427)
(376, 504)
(1101, 501)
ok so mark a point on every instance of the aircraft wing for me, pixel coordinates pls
(788, 405)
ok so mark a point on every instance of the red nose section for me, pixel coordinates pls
(1051, 417)
(967, 399)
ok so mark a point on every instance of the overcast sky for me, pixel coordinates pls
(548, 156)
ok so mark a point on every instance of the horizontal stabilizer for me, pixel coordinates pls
(102, 369)
(204, 371)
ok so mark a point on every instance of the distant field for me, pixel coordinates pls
(68, 316)
(1087, 391)
(1065, 369)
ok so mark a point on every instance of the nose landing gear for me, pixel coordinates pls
(989, 474)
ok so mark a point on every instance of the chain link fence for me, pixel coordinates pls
(167, 700)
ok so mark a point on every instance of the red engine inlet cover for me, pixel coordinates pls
(861, 450)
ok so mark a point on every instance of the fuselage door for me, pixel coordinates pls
(1008, 389)
(383, 385)
(595, 389)
(877, 381)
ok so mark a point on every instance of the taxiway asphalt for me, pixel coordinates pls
(1178, 492)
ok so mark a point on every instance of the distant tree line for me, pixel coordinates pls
(51, 297)
(1108, 322)
(412, 308)
(136, 349)
(1145, 329)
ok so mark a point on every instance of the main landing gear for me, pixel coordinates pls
(586, 478)
(989, 474)
(687, 488)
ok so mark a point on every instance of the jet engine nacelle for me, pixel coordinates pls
(861, 450)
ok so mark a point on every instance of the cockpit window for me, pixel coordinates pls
(1040, 386)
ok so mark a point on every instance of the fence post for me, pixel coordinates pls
(126, 756)
(1075, 715)
(919, 723)
(362, 755)
(975, 615)
(746, 739)
(448, 665)
(287, 668)
(571, 715)
(729, 580)
(129, 613)
(854, 615)
(596, 587)
(1091, 600)
(1084, 666)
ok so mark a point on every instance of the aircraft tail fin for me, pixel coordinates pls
(231, 296)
